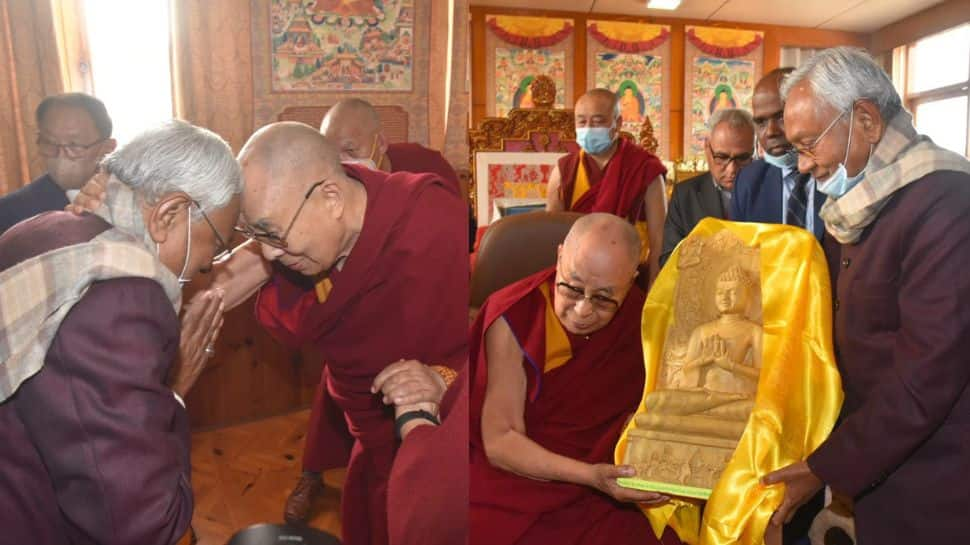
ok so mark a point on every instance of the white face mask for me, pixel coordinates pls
(188, 251)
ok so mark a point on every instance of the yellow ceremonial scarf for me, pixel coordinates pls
(797, 402)
(558, 349)
(581, 187)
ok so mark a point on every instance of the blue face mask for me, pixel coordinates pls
(787, 161)
(594, 140)
(840, 183)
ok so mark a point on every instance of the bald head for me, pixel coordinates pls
(290, 153)
(354, 128)
(605, 238)
(352, 111)
(602, 101)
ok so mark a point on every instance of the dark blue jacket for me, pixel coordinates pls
(757, 196)
(41, 195)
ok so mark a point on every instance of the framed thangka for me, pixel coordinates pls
(518, 50)
(724, 66)
(342, 45)
(628, 59)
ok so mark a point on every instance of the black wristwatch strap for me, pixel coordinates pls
(400, 421)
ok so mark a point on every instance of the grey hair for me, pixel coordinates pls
(734, 117)
(842, 75)
(178, 156)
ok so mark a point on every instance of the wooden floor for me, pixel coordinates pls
(243, 474)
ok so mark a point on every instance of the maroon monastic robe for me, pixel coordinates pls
(618, 189)
(403, 293)
(576, 410)
(328, 442)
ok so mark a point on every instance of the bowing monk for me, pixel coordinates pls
(354, 128)
(557, 370)
(392, 249)
(610, 174)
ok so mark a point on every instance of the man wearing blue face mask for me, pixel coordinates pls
(771, 190)
(896, 211)
(611, 174)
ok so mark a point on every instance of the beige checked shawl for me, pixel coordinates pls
(900, 158)
(36, 295)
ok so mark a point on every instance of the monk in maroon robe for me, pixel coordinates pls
(353, 126)
(392, 251)
(610, 174)
(557, 370)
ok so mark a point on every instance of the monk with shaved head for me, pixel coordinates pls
(370, 268)
(611, 174)
(353, 127)
(557, 369)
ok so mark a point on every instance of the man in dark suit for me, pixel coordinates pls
(728, 149)
(771, 190)
(74, 135)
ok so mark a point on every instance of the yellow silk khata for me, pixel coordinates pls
(799, 391)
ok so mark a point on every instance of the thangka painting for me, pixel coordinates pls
(637, 80)
(515, 68)
(511, 175)
(342, 45)
(717, 84)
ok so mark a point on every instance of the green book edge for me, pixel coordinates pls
(666, 488)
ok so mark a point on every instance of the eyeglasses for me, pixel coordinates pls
(225, 251)
(72, 151)
(272, 239)
(809, 151)
(574, 295)
(723, 159)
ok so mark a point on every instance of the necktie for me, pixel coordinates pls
(797, 202)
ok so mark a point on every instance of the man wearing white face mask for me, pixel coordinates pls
(94, 443)
(772, 190)
(897, 213)
(610, 174)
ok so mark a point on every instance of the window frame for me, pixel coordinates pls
(912, 100)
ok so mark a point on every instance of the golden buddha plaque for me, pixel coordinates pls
(690, 424)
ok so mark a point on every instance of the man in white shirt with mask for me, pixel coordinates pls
(771, 190)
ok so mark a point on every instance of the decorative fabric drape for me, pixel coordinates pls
(530, 32)
(629, 37)
(29, 71)
(724, 42)
(212, 66)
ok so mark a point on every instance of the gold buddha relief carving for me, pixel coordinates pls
(689, 426)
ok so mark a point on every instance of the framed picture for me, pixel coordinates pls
(515, 177)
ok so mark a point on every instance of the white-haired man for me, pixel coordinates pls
(94, 443)
(729, 148)
(897, 208)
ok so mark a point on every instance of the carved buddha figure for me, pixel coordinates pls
(712, 392)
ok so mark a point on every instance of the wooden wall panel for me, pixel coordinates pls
(775, 38)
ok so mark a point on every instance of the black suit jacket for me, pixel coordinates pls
(692, 201)
(758, 195)
(41, 195)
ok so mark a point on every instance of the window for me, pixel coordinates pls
(934, 77)
(130, 64)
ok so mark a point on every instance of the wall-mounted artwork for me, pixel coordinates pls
(520, 48)
(518, 177)
(515, 69)
(629, 59)
(723, 66)
(342, 45)
(637, 81)
(717, 84)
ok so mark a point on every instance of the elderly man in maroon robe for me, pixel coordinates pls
(610, 174)
(353, 126)
(95, 446)
(557, 371)
(369, 267)
(898, 241)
